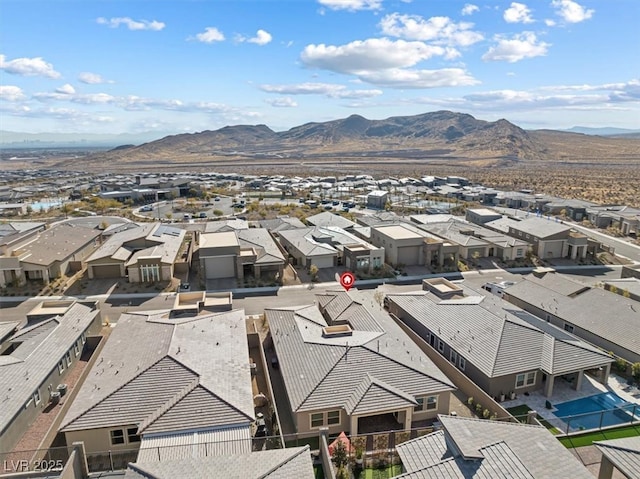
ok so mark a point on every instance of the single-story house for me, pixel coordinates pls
(349, 367)
(240, 254)
(144, 253)
(37, 358)
(500, 348)
(406, 244)
(158, 377)
(603, 318)
(474, 448)
(56, 251)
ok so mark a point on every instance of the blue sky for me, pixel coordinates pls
(117, 66)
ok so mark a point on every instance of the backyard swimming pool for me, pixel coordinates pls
(600, 410)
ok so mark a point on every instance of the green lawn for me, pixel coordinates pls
(588, 438)
(520, 413)
(384, 473)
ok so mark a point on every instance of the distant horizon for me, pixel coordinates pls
(109, 67)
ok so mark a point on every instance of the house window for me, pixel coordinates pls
(453, 356)
(68, 358)
(84, 338)
(333, 417)
(149, 273)
(519, 252)
(117, 436)
(132, 434)
(317, 419)
(76, 349)
(61, 366)
(36, 396)
(462, 363)
(525, 379)
(440, 346)
(426, 403)
(568, 327)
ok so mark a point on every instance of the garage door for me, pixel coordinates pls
(106, 271)
(322, 261)
(220, 267)
(409, 255)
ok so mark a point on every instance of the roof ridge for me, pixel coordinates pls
(153, 417)
(306, 448)
(217, 396)
(33, 327)
(119, 389)
(319, 383)
(581, 344)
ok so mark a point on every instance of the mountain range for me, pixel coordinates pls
(441, 136)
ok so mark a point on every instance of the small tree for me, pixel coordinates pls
(635, 372)
(313, 271)
(340, 456)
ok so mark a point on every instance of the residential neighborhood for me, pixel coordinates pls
(177, 325)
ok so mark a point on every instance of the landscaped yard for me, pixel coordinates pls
(588, 438)
(381, 473)
(520, 413)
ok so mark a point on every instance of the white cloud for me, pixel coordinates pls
(11, 93)
(331, 90)
(66, 89)
(131, 24)
(284, 102)
(262, 38)
(516, 48)
(371, 54)
(352, 5)
(404, 78)
(518, 13)
(572, 12)
(91, 78)
(28, 67)
(469, 9)
(210, 35)
(549, 22)
(436, 29)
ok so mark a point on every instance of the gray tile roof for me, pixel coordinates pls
(57, 244)
(371, 393)
(302, 240)
(541, 227)
(282, 224)
(226, 225)
(476, 448)
(192, 371)
(45, 344)
(586, 311)
(7, 327)
(327, 218)
(159, 240)
(558, 283)
(289, 463)
(263, 243)
(321, 372)
(498, 338)
(624, 454)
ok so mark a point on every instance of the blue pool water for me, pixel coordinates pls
(606, 409)
(44, 205)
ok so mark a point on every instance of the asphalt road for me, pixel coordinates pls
(112, 307)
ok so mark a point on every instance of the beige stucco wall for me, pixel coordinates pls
(99, 440)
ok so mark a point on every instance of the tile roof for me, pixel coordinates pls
(475, 448)
(43, 346)
(498, 338)
(327, 218)
(289, 463)
(586, 311)
(541, 227)
(624, 454)
(263, 243)
(282, 224)
(192, 371)
(303, 241)
(57, 244)
(321, 371)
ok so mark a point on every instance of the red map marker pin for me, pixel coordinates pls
(347, 279)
